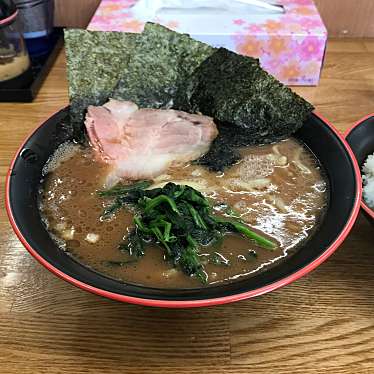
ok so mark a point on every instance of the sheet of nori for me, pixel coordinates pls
(235, 89)
(249, 105)
(161, 62)
(95, 61)
(161, 68)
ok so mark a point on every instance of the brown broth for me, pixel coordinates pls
(278, 190)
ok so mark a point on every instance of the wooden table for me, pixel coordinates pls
(323, 323)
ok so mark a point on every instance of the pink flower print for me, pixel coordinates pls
(249, 46)
(304, 11)
(288, 18)
(302, 2)
(128, 3)
(238, 22)
(98, 19)
(290, 72)
(110, 7)
(297, 3)
(172, 25)
(271, 65)
(254, 28)
(272, 26)
(312, 68)
(310, 48)
(103, 27)
(277, 46)
(132, 25)
(294, 28)
(310, 23)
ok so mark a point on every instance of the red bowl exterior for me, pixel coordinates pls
(204, 302)
(368, 211)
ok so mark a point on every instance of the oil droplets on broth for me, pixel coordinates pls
(277, 189)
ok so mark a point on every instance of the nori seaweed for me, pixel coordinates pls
(250, 105)
(161, 68)
(235, 89)
(161, 62)
(95, 60)
(224, 150)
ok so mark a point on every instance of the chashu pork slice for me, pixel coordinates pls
(144, 143)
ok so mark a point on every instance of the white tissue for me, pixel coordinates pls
(149, 9)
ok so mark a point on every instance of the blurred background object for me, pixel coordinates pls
(36, 20)
(348, 18)
(343, 18)
(29, 44)
(15, 69)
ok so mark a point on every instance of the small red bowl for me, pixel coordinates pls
(360, 138)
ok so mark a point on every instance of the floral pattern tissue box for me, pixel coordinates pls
(290, 45)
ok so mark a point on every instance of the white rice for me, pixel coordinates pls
(368, 179)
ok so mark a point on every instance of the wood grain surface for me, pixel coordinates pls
(322, 323)
(347, 18)
(74, 13)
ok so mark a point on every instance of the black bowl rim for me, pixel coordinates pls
(368, 210)
(203, 302)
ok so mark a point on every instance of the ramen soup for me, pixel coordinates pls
(279, 191)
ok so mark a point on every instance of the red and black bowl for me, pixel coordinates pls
(23, 182)
(360, 138)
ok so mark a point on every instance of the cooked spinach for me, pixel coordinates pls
(179, 219)
(123, 194)
(122, 189)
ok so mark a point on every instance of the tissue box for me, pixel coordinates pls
(290, 46)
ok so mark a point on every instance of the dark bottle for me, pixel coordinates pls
(36, 18)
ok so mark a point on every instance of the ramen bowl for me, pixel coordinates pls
(337, 159)
(360, 138)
